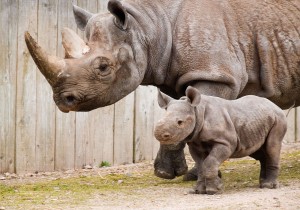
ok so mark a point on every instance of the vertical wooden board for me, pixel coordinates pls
(144, 123)
(85, 140)
(4, 84)
(8, 46)
(123, 130)
(102, 133)
(290, 134)
(297, 113)
(65, 123)
(101, 126)
(45, 128)
(92, 6)
(26, 90)
(102, 5)
(158, 113)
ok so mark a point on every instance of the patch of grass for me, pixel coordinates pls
(236, 175)
(104, 164)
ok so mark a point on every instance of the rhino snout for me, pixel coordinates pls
(67, 102)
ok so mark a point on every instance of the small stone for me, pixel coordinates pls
(69, 171)
(6, 174)
(185, 193)
(88, 167)
(2, 208)
(2, 178)
(13, 176)
(128, 174)
(120, 181)
(56, 188)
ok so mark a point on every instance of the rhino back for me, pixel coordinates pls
(243, 123)
(253, 118)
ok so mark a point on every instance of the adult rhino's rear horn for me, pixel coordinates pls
(50, 66)
(74, 46)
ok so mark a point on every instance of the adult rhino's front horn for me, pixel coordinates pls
(50, 66)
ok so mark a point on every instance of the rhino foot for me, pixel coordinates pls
(170, 162)
(200, 187)
(192, 175)
(269, 184)
(214, 185)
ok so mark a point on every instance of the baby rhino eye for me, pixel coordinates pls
(179, 122)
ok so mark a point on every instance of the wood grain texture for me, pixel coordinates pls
(290, 135)
(8, 60)
(123, 130)
(45, 118)
(65, 122)
(26, 90)
(144, 123)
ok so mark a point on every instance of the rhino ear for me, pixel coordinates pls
(81, 17)
(118, 10)
(194, 95)
(163, 100)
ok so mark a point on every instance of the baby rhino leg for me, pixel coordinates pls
(217, 155)
(261, 156)
(272, 155)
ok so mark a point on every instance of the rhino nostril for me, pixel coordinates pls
(166, 135)
(70, 99)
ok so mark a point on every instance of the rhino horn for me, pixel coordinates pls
(50, 66)
(74, 46)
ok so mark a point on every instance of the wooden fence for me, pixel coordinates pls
(34, 134)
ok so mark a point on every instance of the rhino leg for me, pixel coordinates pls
(260, 155)
(170, 161)
(272, 156)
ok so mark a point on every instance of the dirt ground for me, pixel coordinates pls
(287, 197)
(170, 197)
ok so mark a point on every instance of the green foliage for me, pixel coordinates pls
(104, 164)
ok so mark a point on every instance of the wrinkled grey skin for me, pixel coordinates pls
(217, 129)
(224, 48)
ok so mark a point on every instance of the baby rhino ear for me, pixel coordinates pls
(194, 95)
(163, 99)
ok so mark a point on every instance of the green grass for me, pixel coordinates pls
(71, 191)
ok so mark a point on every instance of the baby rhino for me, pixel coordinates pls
(217, 129)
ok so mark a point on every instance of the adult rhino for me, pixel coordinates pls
(225, 48)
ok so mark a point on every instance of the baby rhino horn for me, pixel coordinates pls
(74, 46)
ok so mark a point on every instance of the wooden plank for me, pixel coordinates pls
(65, 122)
(45, 127)
(101, 127)
(8, 59)
(297, 113)
(291, 129)
(102, 5)
(26, 90)
(85, 139)
(123, 130)
(158, 113)
(144, 123)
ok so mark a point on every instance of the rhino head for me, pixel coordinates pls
(97, 73)
(179, 120)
